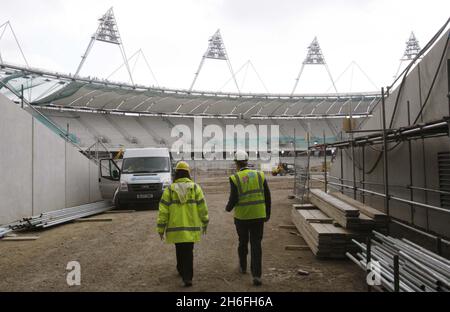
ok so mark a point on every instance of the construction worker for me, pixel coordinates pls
(183, 217)
(250, 199)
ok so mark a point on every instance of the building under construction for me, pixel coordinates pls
(360, 176)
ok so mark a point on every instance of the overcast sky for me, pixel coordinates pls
(273, 34)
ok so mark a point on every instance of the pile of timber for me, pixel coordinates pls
(345, 214)
(380, 219)
(325, 239)
(330, 222)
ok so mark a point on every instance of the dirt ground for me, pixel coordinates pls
(127, 254)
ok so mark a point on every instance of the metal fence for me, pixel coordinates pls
(301, 176)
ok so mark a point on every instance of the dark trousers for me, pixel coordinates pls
(250, 231)
(185, 260)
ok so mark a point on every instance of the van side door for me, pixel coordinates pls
(109, 178)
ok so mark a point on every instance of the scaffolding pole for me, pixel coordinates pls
(385, 154)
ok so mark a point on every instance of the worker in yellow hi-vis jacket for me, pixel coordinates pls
(183, 217)
(250, 198)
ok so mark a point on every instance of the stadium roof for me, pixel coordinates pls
(65, 91)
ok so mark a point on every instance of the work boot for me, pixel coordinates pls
(242, 266)
(187, 283)
(257, 281)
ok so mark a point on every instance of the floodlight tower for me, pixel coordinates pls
(412, 48)
(108, 32)
(216, 51)
(314, 57)
(411, 51)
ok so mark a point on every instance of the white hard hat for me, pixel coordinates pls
(241, 156)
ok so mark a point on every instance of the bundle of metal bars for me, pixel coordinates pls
(48, 219)
(4, 231)
(403, 265)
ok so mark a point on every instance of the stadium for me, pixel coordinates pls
(385, 149)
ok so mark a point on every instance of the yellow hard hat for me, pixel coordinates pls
(182, 165)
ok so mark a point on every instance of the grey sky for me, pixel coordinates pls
(273, 34)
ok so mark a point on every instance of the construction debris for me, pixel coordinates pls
(287, 227)
(302, 272)
(19, 238)
(402, 265)
(297, 247)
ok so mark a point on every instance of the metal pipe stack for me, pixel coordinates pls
(48, 219)
(4, 231)
(403, 265)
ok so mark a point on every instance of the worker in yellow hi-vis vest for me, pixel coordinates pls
(183, 217)
(250, 199)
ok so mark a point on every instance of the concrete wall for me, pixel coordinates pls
(39, 170)
(16, 146)
(77, 178)
(48, 170)
(423, 153)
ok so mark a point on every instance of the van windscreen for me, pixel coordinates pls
(146, 165)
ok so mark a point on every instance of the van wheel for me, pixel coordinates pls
(154, 205)
(120, 206)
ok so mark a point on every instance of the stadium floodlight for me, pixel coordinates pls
(412, 48)
(313, 57)
(107, 32)
(216, 48)
(216, 51)
(411, 51)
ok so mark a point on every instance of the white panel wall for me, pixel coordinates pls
(39, 171)
(77, 178)
(15, 162)
(94, 192)
(48, 170)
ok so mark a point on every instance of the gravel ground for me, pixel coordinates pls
(127, 255)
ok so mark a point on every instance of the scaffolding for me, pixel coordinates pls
(385, 140)
(382, 137)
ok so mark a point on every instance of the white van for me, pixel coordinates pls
(141, 178)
